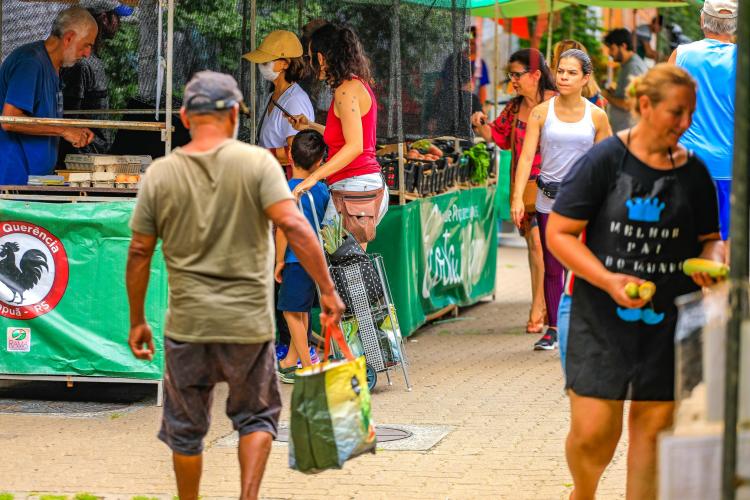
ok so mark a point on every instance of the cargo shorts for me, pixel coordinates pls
(192, 371)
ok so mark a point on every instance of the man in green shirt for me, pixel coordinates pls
(212, 203)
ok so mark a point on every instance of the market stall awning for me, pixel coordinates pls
(525, 8)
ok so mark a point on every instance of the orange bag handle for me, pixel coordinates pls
(332, 332)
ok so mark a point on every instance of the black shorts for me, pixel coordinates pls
(192, 370)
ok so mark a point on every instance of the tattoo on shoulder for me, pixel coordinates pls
(537, 115)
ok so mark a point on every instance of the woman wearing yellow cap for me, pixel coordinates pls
(279, 59)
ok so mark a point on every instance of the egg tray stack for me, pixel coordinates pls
(106, 171)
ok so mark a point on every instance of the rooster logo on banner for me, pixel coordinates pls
(24, 276)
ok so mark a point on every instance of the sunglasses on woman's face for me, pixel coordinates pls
(515, 75)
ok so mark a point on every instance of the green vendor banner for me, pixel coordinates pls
(63, 302)
(439, 251)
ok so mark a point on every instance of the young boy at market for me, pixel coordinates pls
(297, 291)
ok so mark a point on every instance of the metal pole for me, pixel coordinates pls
(396, 41)
(496, 55)
(253, 77)
(300, 8)
(456, 90)
(739, 260)
(550, 19)
(170, 83)
(70, 122)
(243, 66)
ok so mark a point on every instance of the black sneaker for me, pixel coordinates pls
(548, 342)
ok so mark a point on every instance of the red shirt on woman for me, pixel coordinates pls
(365, 163)
(502, 129)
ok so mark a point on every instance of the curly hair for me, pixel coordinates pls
(343, 53)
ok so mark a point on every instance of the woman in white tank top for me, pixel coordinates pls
(565, 127)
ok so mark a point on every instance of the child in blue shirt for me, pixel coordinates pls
(297, 291)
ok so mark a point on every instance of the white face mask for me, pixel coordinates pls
(267, 72)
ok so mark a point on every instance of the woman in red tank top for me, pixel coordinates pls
(338, 59)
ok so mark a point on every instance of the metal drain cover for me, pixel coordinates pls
(384, 434)
(396, 437)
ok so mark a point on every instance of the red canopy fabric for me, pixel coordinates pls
(519, 26)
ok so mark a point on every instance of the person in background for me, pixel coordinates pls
(212, 203)
(533, 84)
(279, 60)
(647, 39)
(85, 85)
(619, 42)
(712, 62)
(592, 92)
(297, 292)
(480, 76)
(338, 58)
(30, 87)
(621, 348)
(443, 120)
(564, 128)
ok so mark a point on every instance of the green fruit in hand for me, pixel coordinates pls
(646, 290)
(710, 267)
(631, 290)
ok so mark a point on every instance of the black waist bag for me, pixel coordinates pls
(548, 189)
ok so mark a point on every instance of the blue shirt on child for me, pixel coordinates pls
(29, 81)
(321, 197)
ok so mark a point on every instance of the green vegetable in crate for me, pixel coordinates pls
(710, 267)
(480, 159)
(333, 235)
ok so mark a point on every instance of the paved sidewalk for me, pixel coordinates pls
(503, 403)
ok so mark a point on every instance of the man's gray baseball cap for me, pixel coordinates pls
(210, 91)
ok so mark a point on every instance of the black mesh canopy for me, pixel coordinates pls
(420, 77)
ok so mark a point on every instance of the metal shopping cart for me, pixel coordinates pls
(370, 324)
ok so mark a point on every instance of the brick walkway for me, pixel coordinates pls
(504, 402)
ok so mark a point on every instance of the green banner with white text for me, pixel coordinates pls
(63, 302)
(439, 251)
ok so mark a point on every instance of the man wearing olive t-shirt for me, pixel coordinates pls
(211, 203)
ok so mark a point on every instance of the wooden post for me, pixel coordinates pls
(550, 20)
(738, 294)
(253, 76)
(170, 90)
(399, 108)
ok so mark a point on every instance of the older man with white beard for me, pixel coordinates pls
(30, 87)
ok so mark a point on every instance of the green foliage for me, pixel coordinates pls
(219, 22)
(85, 496)
(120, 56)
(688, 18)
(143, 497)
(6, 496)
(579, 23)
(53, 497)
